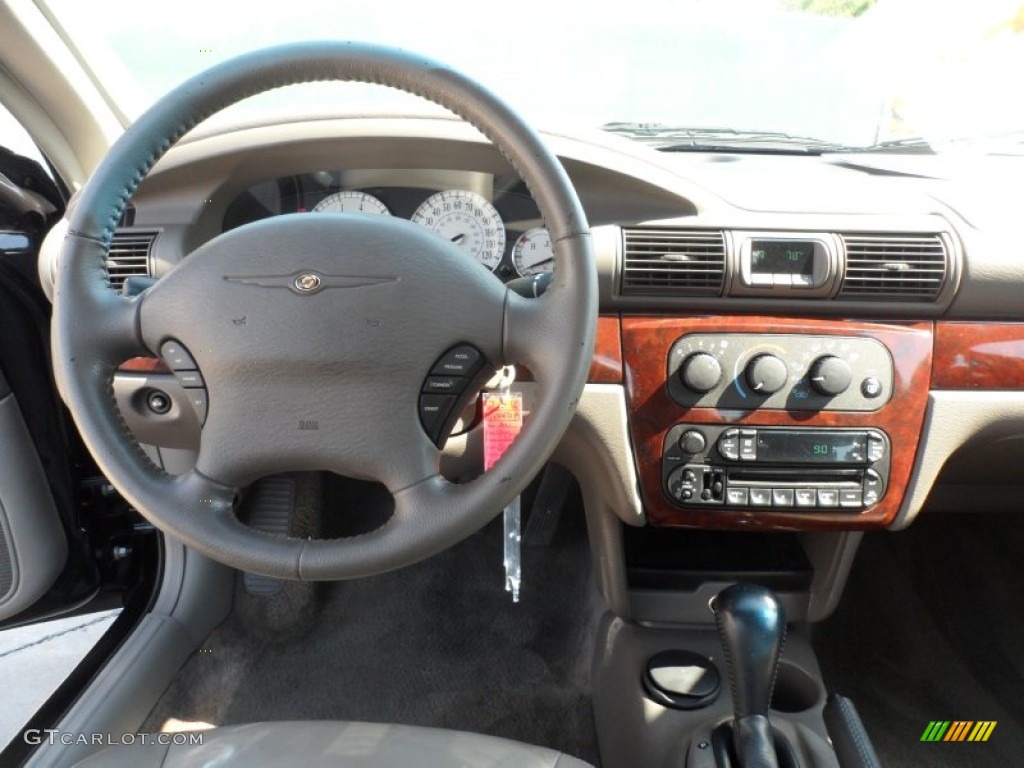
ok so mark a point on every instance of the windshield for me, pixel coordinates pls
(849, 72)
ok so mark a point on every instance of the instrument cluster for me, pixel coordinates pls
(493, 219)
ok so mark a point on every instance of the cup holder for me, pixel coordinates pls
(795, 690)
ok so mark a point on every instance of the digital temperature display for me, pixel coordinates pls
(782, 257)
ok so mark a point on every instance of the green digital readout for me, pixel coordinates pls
(813, 447)
(782, 257)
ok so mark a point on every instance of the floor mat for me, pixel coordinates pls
(931, 628)
(439, 644)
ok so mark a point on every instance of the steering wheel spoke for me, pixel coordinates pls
(112, 333)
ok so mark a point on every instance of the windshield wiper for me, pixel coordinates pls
(911, 146)
(669, 138)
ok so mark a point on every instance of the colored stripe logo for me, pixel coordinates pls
(958, 730)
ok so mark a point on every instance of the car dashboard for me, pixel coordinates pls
(793, 342)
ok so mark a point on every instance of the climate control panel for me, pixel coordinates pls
(782, 371)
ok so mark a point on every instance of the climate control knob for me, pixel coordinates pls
(830, 375)
(701, 372)
(766, 374)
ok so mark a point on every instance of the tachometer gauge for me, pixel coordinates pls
(532, 253)
(468, 220)
(351, 201)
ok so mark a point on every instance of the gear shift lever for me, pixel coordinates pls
(751, 628)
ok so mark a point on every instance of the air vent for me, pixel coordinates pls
(129, 255)
(894, 267)
(677, 261)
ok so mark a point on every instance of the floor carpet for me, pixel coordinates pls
(931, 627)
(439, 643)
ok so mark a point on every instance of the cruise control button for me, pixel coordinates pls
(736, 497)
(199, 401)
(805, 497)
(434, 409)
(828, 497)
(442, 384)
(760, 497)
(782, 497)
(851, 498)
(189, 379)
(461, 361)
(177, 357)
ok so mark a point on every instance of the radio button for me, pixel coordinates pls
(760, 497)
(729, 444)
(692, 441)
(828, 497)
(805, 497)
(736, 497)
(748, 445)
(870, 498)
(851, 498)
(782, 497)
(876, 446)
(872, 481)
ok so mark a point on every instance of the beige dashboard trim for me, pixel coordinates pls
(953, 419)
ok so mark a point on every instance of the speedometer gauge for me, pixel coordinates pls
(532, 253)
(468, 220)
(350, 201)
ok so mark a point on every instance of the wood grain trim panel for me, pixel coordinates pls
(144, 365)
(978, 356)
(606, 366)
(645, 346)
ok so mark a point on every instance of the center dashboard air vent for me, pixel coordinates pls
(894, 267)
(129, 255)
(682, 262)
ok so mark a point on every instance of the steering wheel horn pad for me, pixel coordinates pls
(328, 320)
(293, 377)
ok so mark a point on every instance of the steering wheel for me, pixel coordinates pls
(313, 335)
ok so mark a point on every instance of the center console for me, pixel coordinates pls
(763, 446)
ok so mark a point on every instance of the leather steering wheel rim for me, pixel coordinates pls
(95, 329)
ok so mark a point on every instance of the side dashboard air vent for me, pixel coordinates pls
(894, 267)
(129, 255)
(677, 261)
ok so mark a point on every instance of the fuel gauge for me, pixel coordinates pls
(532, 254)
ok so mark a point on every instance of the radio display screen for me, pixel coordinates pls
(782, 257)
(817, 447)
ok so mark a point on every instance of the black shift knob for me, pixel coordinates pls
(751, 627)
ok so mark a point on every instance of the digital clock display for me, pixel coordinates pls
(782, 257)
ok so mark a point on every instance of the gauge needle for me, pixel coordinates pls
(459, 238)
(541, 263)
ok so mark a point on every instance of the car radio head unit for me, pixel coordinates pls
(797, 468)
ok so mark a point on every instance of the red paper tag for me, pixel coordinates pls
(503, 420)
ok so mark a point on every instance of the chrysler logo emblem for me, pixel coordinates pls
(307, 282)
